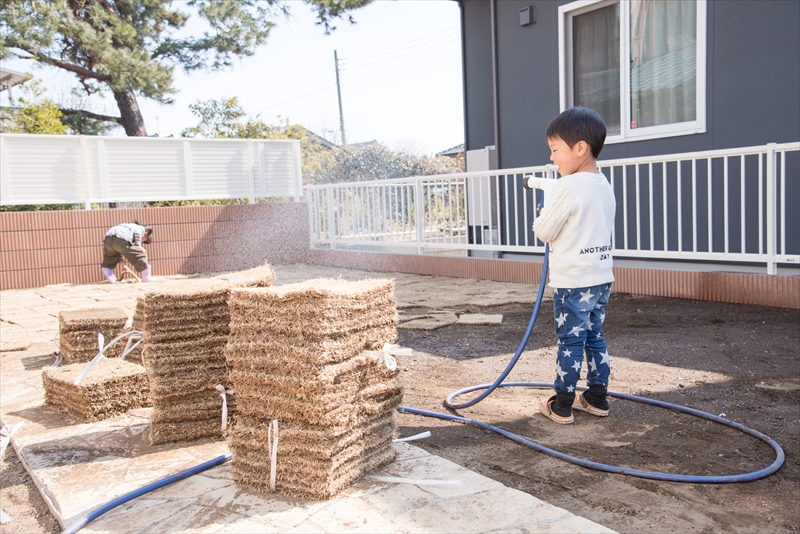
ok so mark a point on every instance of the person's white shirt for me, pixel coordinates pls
(130, 232)
(577, 219)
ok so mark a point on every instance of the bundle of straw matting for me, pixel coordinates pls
(112, 386)
(186, 329)
(78, 331)
(297, 353)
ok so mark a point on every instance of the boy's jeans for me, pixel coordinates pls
(579, 315)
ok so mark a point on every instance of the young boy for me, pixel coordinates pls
(577, 221)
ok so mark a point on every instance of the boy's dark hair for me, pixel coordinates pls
(579, 124)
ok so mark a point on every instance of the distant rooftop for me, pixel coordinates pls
(330, 144)
(364, 143)
(321, 140)
(9, 78)
(454, 151)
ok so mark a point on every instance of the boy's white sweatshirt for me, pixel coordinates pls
(578, 220)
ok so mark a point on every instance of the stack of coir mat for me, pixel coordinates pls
(112, 386)
(78, 329)
(186, 329)
(298, 357)
(137, 323)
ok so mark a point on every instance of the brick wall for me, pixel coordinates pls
(41, 248)
(53, 247)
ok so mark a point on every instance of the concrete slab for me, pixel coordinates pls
(13, 337)
(478, 504)
(428, 321)
(480, 319)
(81, 466)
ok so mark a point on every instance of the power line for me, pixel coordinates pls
(349, 62)
(374, 52)
(297, 98)
(409, 119)
(268, 107)
(396, 57)
(427, 104)
(368, 57)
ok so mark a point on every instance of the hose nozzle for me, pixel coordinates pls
(534, 182)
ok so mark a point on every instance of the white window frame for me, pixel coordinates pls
(627, 134)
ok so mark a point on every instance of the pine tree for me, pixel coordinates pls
(131, 47)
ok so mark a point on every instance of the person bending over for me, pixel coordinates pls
(125, 241)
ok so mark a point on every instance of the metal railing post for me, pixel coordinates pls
(331, 218)
(419, 220)
(772, 177)
(313, 217)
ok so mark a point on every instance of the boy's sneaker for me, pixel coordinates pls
(546, 408)
(582, 405)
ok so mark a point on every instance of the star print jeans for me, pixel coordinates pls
(579, 315)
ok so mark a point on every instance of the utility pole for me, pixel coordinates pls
(339, 90)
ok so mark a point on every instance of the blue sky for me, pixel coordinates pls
(400, 78)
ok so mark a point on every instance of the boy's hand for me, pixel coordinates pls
(539, 207)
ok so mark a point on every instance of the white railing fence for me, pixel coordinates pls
(727, 206)
(450, 211)
(63, 169)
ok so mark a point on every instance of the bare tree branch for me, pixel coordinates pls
(90, 115)
(80, 71)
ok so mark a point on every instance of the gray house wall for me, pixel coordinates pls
(752, 79)
(752, 98)
(477, 74)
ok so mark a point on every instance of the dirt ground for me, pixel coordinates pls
(737, 360)
(20, 499)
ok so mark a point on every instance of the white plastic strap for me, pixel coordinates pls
(80, 377)
(421, 435)
(131, 349)
(5, 436)
(388, 352)
(58, 360)
(133, 335)
(57, 352)
(100, 355)
(272, 447)
(224, 394)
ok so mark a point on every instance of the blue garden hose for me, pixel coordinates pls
(694, 479)
(489, 388)
(494, 385)
(94, 514)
